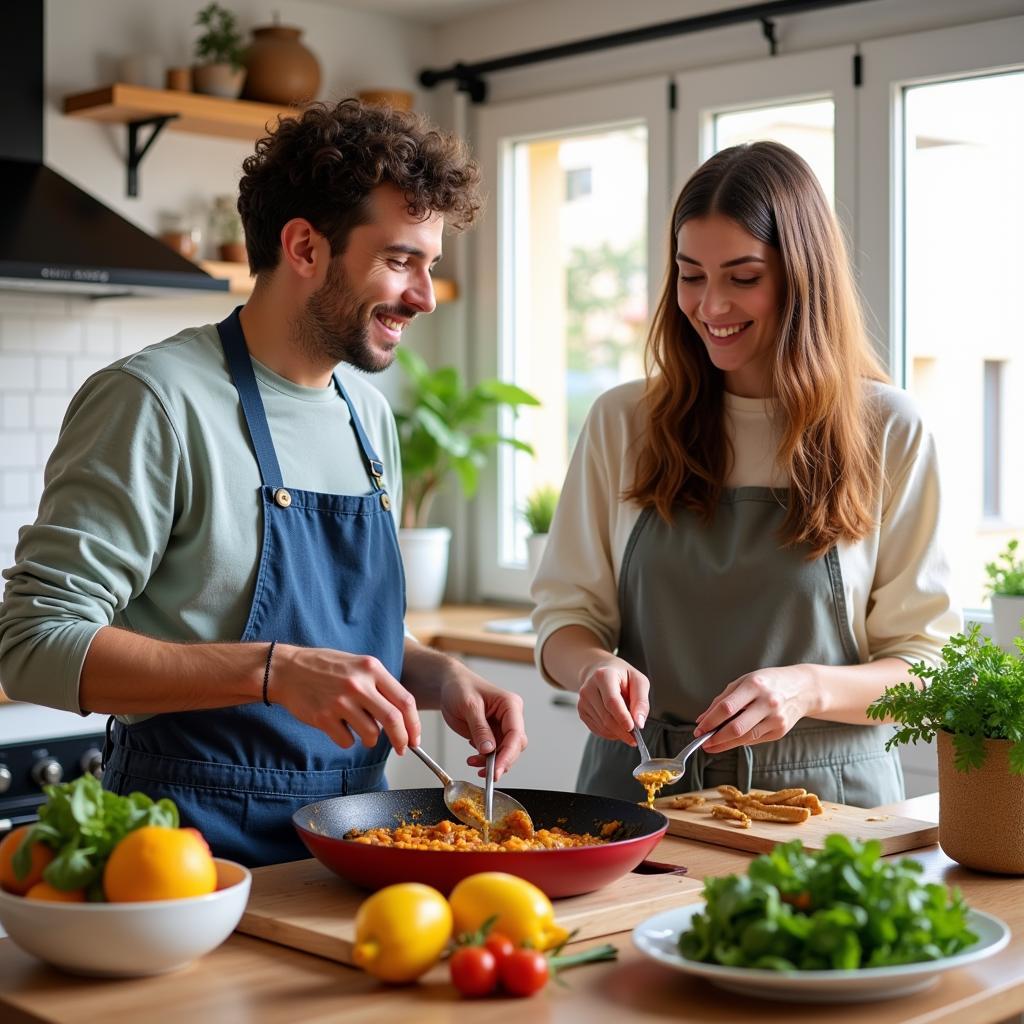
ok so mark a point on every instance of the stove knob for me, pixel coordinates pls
(92, 763)
(5, 778)
(47, 772)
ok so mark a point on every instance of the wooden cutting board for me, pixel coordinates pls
(893, 832)
(307, 907)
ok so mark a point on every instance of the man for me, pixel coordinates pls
(215, 559)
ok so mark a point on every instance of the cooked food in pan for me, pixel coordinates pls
(454, 836)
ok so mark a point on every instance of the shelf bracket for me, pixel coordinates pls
(768, 31)
(136, 151)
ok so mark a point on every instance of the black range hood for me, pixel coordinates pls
(55, 237)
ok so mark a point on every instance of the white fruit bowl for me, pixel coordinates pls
(128, 940)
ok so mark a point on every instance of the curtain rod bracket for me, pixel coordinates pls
(768, 31)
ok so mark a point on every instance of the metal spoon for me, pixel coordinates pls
(489, 795)
(468, 802)
(676, 766)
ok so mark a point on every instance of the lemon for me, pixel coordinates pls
(401, 931)
(524, 912)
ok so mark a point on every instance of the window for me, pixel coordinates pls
(566, 251)
(992, 438)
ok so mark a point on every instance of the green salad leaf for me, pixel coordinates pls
(83, 822)
(842, 908)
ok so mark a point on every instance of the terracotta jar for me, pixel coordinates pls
(981, 812)
(279, 68)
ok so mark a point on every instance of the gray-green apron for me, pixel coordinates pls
(702, 605)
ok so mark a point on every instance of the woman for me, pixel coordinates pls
(752, 529)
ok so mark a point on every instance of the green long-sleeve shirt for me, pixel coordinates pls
(150, 517)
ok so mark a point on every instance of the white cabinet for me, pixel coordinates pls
(920, 768)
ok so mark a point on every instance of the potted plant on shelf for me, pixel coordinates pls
(974, 703)
(221, 71)
(538, 512)
(444, 430)
(1006, 584)
(226, 228)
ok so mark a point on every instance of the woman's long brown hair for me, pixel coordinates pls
(823, 359)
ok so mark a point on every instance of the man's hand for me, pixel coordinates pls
(489, 717)
(344, 696)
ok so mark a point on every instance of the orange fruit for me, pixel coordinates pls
(45, 891)
(41, 856)
(155, 863)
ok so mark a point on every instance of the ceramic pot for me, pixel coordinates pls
(280, 69)
(232, 252)
(222, 80)
(981, 812)
(425, 557)
(535, 545)
(1007, 611)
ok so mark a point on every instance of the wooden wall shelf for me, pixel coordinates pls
(191, 112)
(240, 283)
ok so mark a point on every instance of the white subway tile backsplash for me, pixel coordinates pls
(101, 338)
(17, 450)
(30, 304)
(15, 411)
(83, 367)
(17, 372)
(53, 373)
(16, 489)
(12, 520)
(48, 410)
(58, 334)
(17, 334)
(46, 441)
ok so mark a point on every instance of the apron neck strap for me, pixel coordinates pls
(373, 464)
(240, 368)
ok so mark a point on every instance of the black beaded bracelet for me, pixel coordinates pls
(266, 672)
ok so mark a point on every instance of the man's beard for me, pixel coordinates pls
(335, 328)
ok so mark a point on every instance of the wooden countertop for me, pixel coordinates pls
(247, 980)
(459, 629)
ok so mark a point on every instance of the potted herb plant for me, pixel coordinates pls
(220, 51)
(445, 430)
(538, 512)
(1006, 585)
(974, 703)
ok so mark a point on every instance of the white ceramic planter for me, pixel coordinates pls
(535, 545)
(425, 557)
(1006, 615)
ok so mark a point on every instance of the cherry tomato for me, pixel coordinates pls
(500, 945)
(474, 970)
(524, 972)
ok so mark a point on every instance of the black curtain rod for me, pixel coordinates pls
(468, 77)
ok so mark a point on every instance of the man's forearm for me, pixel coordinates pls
(128, 674)
(424, 672)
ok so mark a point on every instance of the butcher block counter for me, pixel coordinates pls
(462, 629)
(249, 980)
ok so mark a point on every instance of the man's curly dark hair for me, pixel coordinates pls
(323, 165)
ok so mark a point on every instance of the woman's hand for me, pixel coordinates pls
(489, 717)
(613, 697)
(772, 701)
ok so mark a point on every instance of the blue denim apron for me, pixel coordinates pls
(330, 575)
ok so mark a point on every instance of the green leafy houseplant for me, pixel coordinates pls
(221, 42)
(977, 693)
(444, 430)
(1006, 574)
(539, 509)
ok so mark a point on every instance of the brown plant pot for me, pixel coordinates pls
(232, 252)
(397, 99)
(981, 812)
(279, 68)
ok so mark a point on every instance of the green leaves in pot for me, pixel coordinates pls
(1006, 573)
(842, 908)
(976, 693)
(83, 822)
(444, 428)
(539, 510)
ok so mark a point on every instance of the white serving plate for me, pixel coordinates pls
(657, 937)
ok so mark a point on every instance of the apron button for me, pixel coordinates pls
(282, 498)
(385, 503)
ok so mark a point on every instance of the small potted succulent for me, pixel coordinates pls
(538, 512)
(1006, 585)
(221, 53)
(974, 703)
(445, 430)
